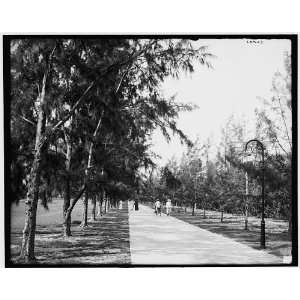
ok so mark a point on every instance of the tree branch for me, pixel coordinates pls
(104, 73)
(92, 143)
(122, 78)
(66, 118)
(75, 200)
(27, 120)
(98, 125)
(284, 121)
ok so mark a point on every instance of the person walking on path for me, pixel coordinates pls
(157, 207)
(120, 204)
(168, 207)
(136, 204)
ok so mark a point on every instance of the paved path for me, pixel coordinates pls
(167, 240)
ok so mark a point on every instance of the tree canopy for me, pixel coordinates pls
(84, 107)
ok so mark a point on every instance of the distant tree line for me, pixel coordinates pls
(229, 182)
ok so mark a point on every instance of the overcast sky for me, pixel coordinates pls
(242, 72)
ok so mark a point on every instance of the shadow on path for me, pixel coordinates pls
(277, 238)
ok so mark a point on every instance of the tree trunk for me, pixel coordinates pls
(27, 248)
(193, 207)
(74, 201)
(67, 196)
(93, 216)
(84, 222)
(290, 225)
(66, 205)
(32, 196)
(246, 217)
(222, 212)
(105, 205)
(100, 201)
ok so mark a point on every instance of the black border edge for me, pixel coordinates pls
(6, 117)
(294, 61)
(193, 36)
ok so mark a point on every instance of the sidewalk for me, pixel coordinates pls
(167, 240)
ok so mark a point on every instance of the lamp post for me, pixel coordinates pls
(260, 145)
(246, 200)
